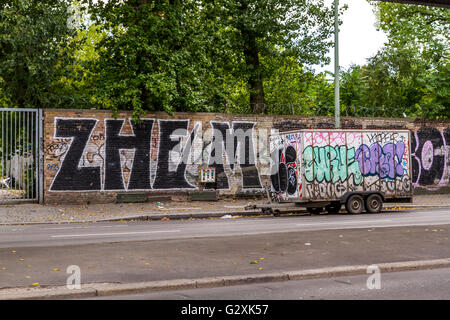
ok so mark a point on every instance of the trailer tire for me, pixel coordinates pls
(374, 203)
(276, 213)
(354, 204)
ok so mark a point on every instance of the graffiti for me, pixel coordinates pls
(331, 164)
(70, 176)
(400, 186)
(327, 190)
(236, 145)
(139, 142)
(384, 137)
(285, 178)
(136, 156)
(165, 178)
(52, 167)
(285, 171)
(430, 157)
(385, 161)
(90, 154)
(57, 148)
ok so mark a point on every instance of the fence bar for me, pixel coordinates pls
(41, 157)
(14, 154)
(3, 153)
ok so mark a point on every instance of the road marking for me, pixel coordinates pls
(84, 227)
(339, 223)
(111, 234)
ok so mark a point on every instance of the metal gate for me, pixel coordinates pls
(20, 171)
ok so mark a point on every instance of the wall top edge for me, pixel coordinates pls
(228, 115)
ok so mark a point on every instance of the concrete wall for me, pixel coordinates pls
(90, 156)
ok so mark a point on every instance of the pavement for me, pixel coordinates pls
(16, 214)
(125, 267)
(114, 267)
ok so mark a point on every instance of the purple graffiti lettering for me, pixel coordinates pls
(385, 161)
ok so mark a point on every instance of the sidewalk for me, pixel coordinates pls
(35, 213)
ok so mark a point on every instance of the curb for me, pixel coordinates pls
(177, 216)
(110, 289)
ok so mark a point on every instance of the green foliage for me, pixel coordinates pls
(409, 75)
(201, 55)
(34, 50)
(232, 56)
(153, 56)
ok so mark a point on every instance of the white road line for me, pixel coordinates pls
(340, 223)
(84, 227)
(110, 234)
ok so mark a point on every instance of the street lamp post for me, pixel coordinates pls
(337, 111)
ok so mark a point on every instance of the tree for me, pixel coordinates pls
(426, 29)
(154, 56)
(260, 31)
(419, 39)
(34, 50)
(409, 75)
(197, 55)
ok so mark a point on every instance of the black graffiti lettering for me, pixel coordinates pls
(243, 139)
(220, 132)
(140, 142)
(285, 178)
(70, 176)
(238, 146)
(166, 179)
(428, 164)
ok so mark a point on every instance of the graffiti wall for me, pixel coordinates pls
(102, 154)
(91, 156)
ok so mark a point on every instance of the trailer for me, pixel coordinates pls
(326, 169)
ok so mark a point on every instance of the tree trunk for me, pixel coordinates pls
(255, 81)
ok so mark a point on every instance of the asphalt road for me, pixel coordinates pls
(164, 250)
(409, 285)
(66, 234)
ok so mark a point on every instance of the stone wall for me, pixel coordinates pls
(90, 156)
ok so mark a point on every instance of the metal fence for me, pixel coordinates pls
(20, 177)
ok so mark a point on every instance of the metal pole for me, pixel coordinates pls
(337, 115)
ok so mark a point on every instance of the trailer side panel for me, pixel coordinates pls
(325, 164)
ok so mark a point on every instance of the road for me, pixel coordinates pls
(409, 285)
(163, 250)
(65, 234)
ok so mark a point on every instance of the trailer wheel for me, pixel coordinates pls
(316, 210)
(374, 203)
(333, 208)
(276, 213)
(355, 204)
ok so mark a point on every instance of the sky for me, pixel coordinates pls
(358, 37)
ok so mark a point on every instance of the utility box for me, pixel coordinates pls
(207, 175)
